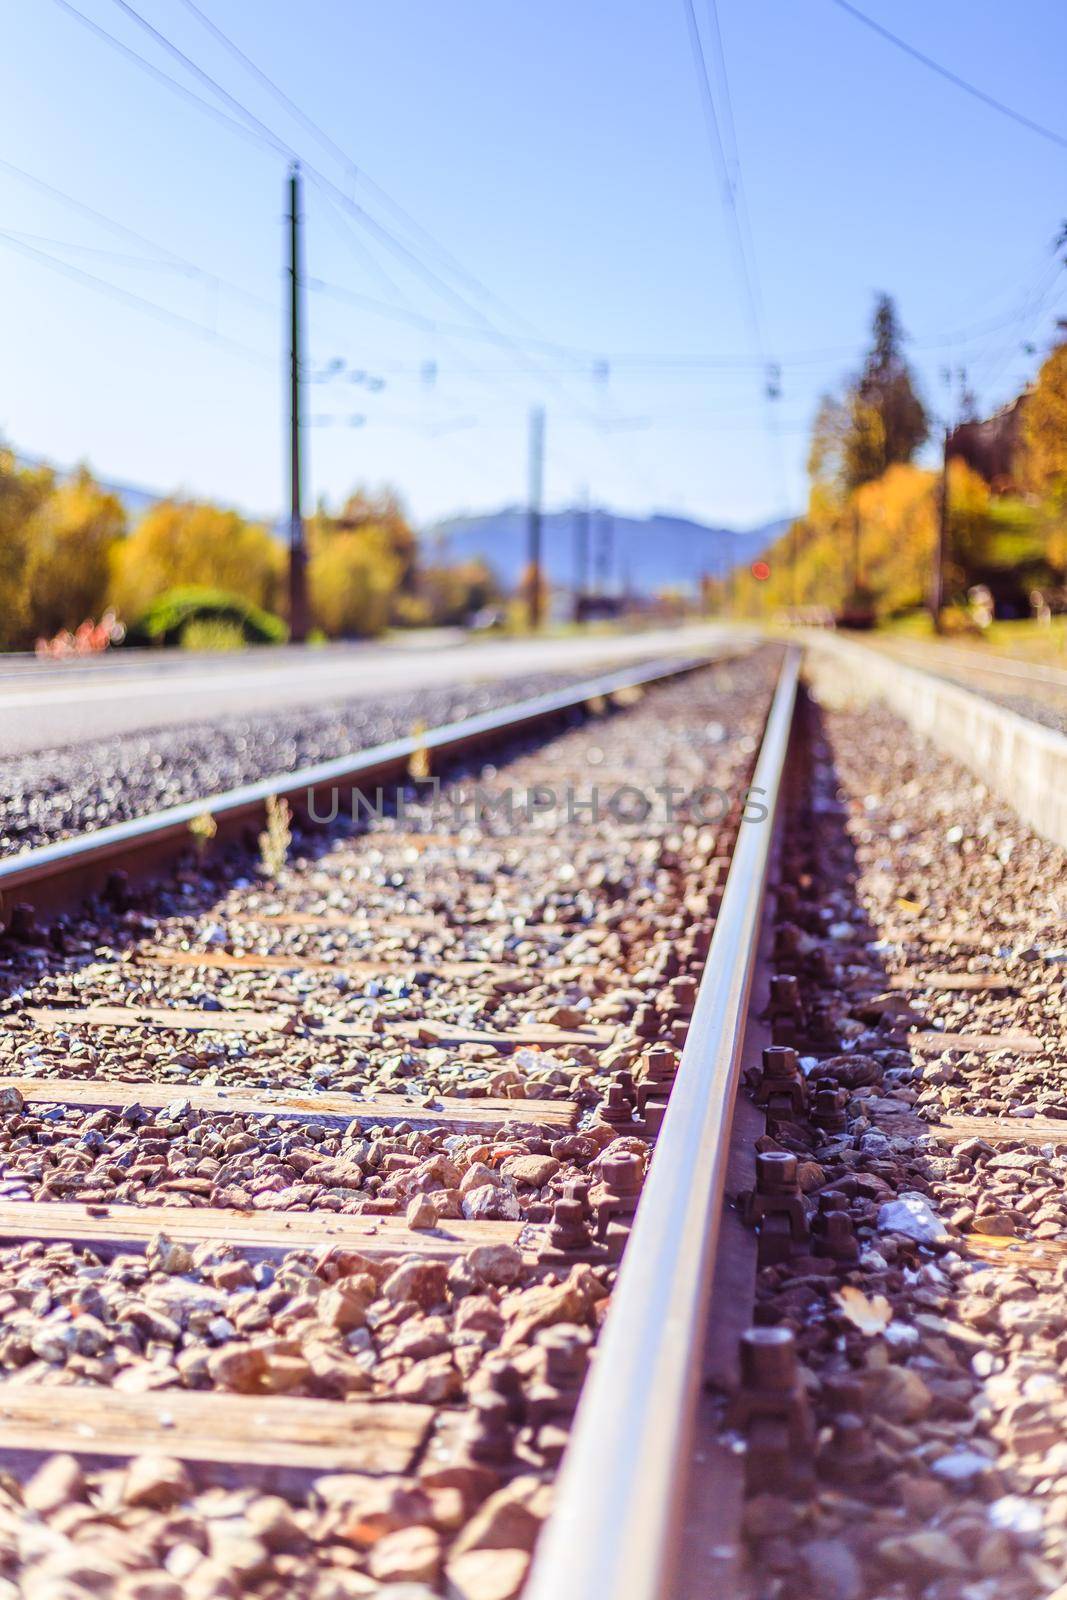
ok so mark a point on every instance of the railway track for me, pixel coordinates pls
(314, 1184)
(358, 1211)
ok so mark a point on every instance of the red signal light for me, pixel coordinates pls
(760, 571)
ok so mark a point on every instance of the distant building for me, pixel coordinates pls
(990, 447)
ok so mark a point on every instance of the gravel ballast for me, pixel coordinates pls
(932, 1335)
(583, 928)
(56, 794)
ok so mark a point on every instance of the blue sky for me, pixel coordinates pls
(558, 152)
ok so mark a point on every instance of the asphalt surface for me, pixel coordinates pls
(61, 705)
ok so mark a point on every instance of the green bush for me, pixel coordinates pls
(213, 633)
(168, 618)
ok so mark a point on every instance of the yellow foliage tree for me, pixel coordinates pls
(69, 541)
(22, 491)
(878, 541)
(187, 543)
(353, 576)
(1045, 427)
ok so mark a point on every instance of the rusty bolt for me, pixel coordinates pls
(820, 965)
(568, 1231)
(616, 1107)
(658, 1071)
(489, 1438)
(772, 1411)
(504, 1380)
(566, 1355)
(780, 1063)
(785, 996)
(768, 1361)
(781, 1087)
(654, 1113)
(683, 995)
(623, 1174)
(619, 1190)
(646, 1022)
(848, 1456)
(776, 1172)
(828, 1111)
(832, 1230)
(578, 1189)
(777, 1208)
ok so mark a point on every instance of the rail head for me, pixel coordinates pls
(56, 875)
(614, 1530)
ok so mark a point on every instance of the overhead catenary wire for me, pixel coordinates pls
(182, 89)
(753, 305)
(202, 330)
(122, 230)
(396, 245)
(737, 212)
(357, 173)
(265, 138)
(954, 78)
(353, 169)
(580, 360)
(263, 135)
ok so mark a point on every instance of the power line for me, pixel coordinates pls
(205, 77)
(1035, 304)
(954, 77)
(122, 229)
(121, 257)
(737, 209)
(396, 245)
(327, 142)
(711, 119)
(202, 330)
(164, 77)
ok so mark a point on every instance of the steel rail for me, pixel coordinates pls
(56, 876)
(614, 1530)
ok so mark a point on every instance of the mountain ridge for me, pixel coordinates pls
(638, 554)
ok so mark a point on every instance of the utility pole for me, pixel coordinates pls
(605, 551)
(937, 586)
(298, 608)
(581, 555)
(533, 523)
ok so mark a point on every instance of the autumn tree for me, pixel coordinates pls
(353, 575)
(69, 542)
(1045, 428)
(187, 543)
(56, 537)
(452, 594)
(880, 420)
(888, 420)
(22, 491)
(382, 509)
